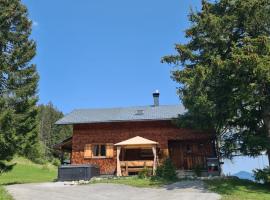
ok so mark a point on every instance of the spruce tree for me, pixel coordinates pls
(19, 79)
(223, 73)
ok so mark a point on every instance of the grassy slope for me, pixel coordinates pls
(25, 171)
(232, 189)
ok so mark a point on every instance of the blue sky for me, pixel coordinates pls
(106, 53)
(101, 53)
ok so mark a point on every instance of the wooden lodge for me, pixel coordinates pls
(122, 141)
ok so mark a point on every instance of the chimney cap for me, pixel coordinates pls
(156, 93)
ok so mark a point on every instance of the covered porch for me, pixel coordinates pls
(135, 154)
(64, 149)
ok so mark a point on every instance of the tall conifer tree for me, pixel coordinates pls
(224, 74)
(18, 81)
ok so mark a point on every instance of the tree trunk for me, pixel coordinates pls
(266, 120)
(268, 153)
(217, 146)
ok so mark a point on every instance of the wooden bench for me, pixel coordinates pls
(135, 166)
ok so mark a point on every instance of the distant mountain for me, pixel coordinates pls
(245, 175)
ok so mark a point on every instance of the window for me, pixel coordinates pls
(99, 150)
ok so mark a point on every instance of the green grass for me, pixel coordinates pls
(25, 171)
(132, 181)
(234, 189)
(4, 195)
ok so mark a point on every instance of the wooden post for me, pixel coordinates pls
(62, 156)
(118, 161)
(154, 149)
(126, 173)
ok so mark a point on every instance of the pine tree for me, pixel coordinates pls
(49, 133)
(19, 79)
(224, 74)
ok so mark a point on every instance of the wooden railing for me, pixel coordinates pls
(135, 166)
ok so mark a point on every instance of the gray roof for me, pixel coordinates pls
(140, 113)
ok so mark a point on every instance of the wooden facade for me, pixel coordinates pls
(190, 153)
(187, 148)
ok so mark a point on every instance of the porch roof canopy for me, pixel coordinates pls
(65, 145)
(136, 142)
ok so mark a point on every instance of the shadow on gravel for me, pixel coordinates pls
(187, 185)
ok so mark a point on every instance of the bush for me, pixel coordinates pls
(197, 170)
(262, 175)
(56, 162)
(4, 167)
(166, 171)
(159, 172)
(145, 173)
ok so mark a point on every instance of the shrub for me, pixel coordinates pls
(166, 171)
(38, 160)
(159, 171)
(145, 173)
(262, 175)
(197, 170)
(4, 167)
(56, 162)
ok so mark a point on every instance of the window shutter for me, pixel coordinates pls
(109, 150)
(88, 151)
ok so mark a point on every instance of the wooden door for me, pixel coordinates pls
(189, 154)
(176, 154)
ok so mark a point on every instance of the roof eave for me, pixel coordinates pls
(111, 121)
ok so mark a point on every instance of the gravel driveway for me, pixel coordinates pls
(190, 190)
